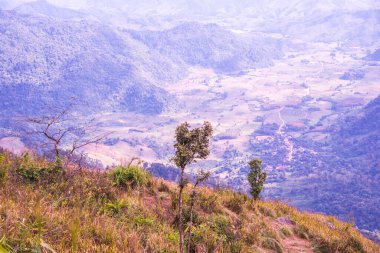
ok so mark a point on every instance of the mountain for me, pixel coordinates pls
(58, 60)
(107, 68)
(375, 56)
(328, 20)
(43, 7)
(359, 137)
(211, 46)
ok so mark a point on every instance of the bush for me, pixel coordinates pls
(4, 166)
(236, 202)
(221, 225)
(32, 171)
(115, 208)
(130, 177)
(267, 211)
(204, 239)
(143, 221)
(286, 232)
(302, 231)
(209, 202)
(273, 244)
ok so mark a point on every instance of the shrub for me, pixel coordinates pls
(130, 177)
(163, 187)
(256, 178)
(173, 236)
(4, 167)
(204, 239)
(302, 232)
(286, 232)
(32, 171)
(143, 221)
(266, 211)
(186, 217)
(209, 202)
(236, 202)
(221, 225)
(250, 233)
(272, 244)
(236, 247)
(115, 208)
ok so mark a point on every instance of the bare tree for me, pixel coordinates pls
(64, 133)
(190, 145)
(201, 177)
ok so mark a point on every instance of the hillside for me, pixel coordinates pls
(211, 46)
(349, 22)
(55, 59)
(338, 174)
(45, 208)
(59, 60)
(289, 82)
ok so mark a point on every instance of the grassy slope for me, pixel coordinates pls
(85, 212)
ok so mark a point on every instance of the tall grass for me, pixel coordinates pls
(126, 210)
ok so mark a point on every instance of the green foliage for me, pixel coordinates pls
(143, 221)
(209, 203)
(236, 202)
(256, 178)
(272, 244)
(236, 247)
(286, 232)
(4, 246)
(302, 232)
(213, 235)
(191, 144)
(130, 177)
(173, 236)
(101, 218)
(115, 208)
(221, 225)
(4, 167)
(74, 234)
(267, 211)
(3, 250)
(204, 237)
(33, 171)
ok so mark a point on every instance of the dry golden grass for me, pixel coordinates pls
(72, 211)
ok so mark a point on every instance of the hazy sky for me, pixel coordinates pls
(349, 4)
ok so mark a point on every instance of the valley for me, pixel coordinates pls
(285, 114)
(294, 86)
(300, 95)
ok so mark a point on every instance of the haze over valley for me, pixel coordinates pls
(296, 84)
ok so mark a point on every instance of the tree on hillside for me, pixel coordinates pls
(200, 177)
(256, 178)
(62, 132)
(190, 145)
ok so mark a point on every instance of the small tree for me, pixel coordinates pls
(190, 145)
(64, 133)
(256, 178)
(201, 177)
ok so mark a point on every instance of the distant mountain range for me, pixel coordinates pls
(211, 46)
(355, 22)
(45, 61)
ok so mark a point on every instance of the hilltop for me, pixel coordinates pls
(51, 209)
